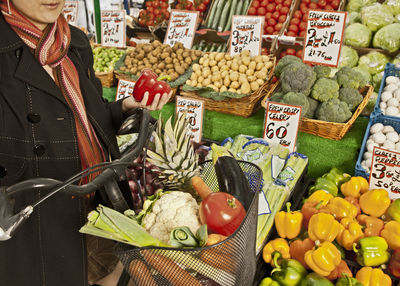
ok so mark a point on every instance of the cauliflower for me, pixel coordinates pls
(322, 71)
(298, 77)
(325, 89)
(283, 62)
(313, 105)
(348, 77)
(296, 98)
(333, 110)
(172, 210)
(351, 96)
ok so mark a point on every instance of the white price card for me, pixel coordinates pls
(385, 172)
(70, 12)
(181, 28)
(246, 35)
(194, 110)
(281, 124)
(113, 28)
(124, 89)
(324, 37)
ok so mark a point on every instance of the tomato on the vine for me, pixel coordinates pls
(222, 213)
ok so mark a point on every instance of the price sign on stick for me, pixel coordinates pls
(194, 110)
(246, 34)
(324, 37)
(70, 12)
(385, 172)
(281, 124)
(113, 28)
(181, 28)
(124, 89)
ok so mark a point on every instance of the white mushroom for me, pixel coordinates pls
(397, 146)
(392, 79)
(379, 138)
(377, 127)
(392, 111)
(396, 94)
(367, 155)
(383, 106)
(385, 96)
(393, 137)
(388, 145)
(368, 162)
(391, 87)
(371, 146)
(387, 129)
(392, 102)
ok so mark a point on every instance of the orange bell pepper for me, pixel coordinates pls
(341, 208)
(298, 249)
(277, 245)
(354, 187)
(369, 276)
(319, 196)
(372, 225)
(391, 233)
(350, 232)
(323, 227)
(354, 201)
(341, 270)
(311, 208)
(375, 202)
(324, 259)
(288, 224)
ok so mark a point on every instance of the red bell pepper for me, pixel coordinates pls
(394, 263)
(148, 81)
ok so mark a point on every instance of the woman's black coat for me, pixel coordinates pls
(38, 139)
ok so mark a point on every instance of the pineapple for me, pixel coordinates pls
(174, 155)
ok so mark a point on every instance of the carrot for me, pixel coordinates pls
(214, 238)
(140, 274)
(169, 269)
(200, 187)
(222, 256)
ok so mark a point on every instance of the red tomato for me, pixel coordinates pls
(291, 51)
(164, 5)
(271, 7)
(252, 11)
(255, 4)
(303, 26)
(264, 51)
(271, 22)
(299, 54)
(157, 11)
(313, 6)
(335, 4)
(178, 6)
(268, 16)
(306, 1)
(150, 23)
(278, 27)
(278, 1)
(293, 28)
(269, 30)
(276, 15)
(206, 2)
(284, 10)
(261, 11)
(302, 34)
(189, 5)
(282, 18)
(278, 7)
(305, 17)
(297, 14)
(291, 34)
(150, 9)
(295, 21)
(275, 33)
(222, 213)
(287, 3)
(149, 4)
(166, 14)
(202, 7)
(329, 8)
(321, 3)
(264, 3)
(283, 54)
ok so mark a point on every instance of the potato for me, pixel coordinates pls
(213, 87)
(173, 56)
(235, 65)
(234, 76)
(158, 71)
(153, 60)
(206, 56)
(246, 61)
(134, 70)
(245, 53)
(260, 82)
(254, 86)
(206, 73)
(193, 76)
(161, 65)
(164, 55)
(214, 69)
(268, 65)
(180, 70)
(198, 53)
(199, 85)
(200, 79)
(206, 63)
(186, 54)
(169, 66)
(188, 82)
(180, 57)
(188, 60)
(224, 68)
(140, 56)
(245, 88)
(242, 78)
(194, 82)
(224, 74)
(213, 62)
(249, 72)
(228, 57)
(231, 89)
(168, 60)
(206, 81)
(122, 68)
(198, 72)
(193, 57)
(227, 81)
(221, 63)
(196, 67)
(185, 66)
(201, 61)
(218, 84)
(228, 64)
(251, 78)
(216, 77)
(219, 57)
(235, 85)
(179, 51)
(175, 61)
(259, 59)
(259, 66)
(242, 68)
(261, 74)
(252, 65)
(223, 88)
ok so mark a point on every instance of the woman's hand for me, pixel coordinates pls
(158, 102)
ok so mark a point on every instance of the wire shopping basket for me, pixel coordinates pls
(230, 262)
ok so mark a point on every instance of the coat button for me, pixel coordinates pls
(39, 150)
(33, 117)
(18, 53)
(3, 172)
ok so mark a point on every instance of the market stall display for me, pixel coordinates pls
(155, 14)
(103, 65)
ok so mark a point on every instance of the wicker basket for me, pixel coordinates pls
(330, 130)
(107, 78)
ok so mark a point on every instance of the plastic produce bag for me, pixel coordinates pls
(376, 16)
(388, 38)
(357, 35)
(356, 5)
(348, 57)
(375, 61)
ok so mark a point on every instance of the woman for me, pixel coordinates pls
(53, 123)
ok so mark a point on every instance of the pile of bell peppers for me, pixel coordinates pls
(341, 221)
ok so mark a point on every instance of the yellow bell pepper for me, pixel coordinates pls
(354, 187)
(324, 259)
(288, 224)
(375, 202)
(369, 276)
(277, 245)
(391, 233)
(350, 232)
(320, 196)
(323, 227)
(341, 208)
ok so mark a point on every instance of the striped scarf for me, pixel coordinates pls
(50, 47)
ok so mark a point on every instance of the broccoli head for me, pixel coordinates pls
(296, 98)
(333, 110)
(325, 89)
(351, 96)
(348, 77)
(298, 77)
(277, 96)
(284, 62)
(313, 105)
(322, 71)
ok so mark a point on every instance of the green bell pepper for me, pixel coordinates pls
(394, 210)
(314, 279)
(289, 272)
(324, 184)
(372, 251)
(346, 280)
(268, 282)
(337, 176)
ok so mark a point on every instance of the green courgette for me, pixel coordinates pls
(245, 7)
(234, 6)
(218, 14)
(211, 14)
(224, 15)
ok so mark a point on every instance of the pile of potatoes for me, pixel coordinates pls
(241, 73)
(164, 60)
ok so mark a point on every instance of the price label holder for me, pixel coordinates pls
(246, 35)
(70, 12)
(281, 124)
(124, 89)
(385, 172)
(194, 110)
(181, 28)
(324, 37)
(113, 28)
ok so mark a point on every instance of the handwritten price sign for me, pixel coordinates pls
(113, 28)
(70, 12)
(246, 34)
(385, 172)
(281, 124)
(194, 110)
(181, 28)
(124, 89)
(324, 37)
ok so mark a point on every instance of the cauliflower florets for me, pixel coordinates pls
(174, 209)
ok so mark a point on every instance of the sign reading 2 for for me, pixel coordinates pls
(113, 28)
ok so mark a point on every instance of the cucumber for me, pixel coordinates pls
(218, 13)
(238, 10)
(222, 22)
(234, 6)
(245, 7)
(212, 13)
(213, 47)
(219, 49)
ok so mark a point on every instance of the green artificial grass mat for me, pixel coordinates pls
(323, 153)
